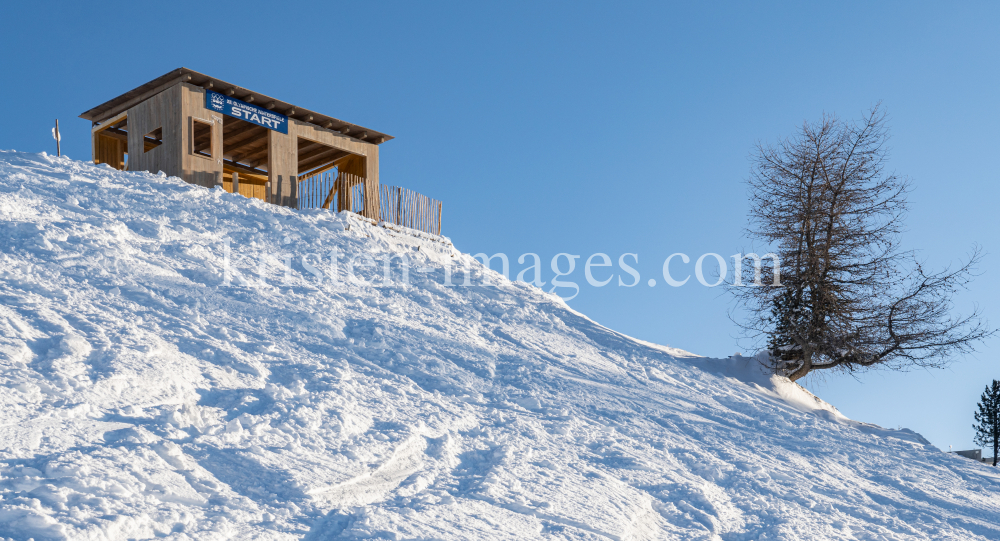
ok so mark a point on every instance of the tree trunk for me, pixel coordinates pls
(804, 368)
(996, 444)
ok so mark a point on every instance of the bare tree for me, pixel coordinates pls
(849, 298)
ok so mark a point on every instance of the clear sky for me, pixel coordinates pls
(588, 127)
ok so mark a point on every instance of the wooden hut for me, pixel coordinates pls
(204, 130)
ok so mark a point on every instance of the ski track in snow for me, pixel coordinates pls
(142, 398)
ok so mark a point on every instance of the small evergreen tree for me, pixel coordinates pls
(987, 425)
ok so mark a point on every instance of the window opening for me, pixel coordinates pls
(202, 138)
(152, 140)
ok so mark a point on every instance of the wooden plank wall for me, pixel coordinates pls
(161, 111)
(372, 191)
(249, 186)
(282, 166)
(198, 169)
(110, 151)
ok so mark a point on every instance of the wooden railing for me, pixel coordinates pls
(344, 191)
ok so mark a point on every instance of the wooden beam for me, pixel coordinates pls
(239, 130)
(318, 160)
(257, 161)
(310, 167)
(330, 197)
(332, 153)
(309, 146)
(320, 149)
(115, 133)
(316, 168)
(248, 149)
(345, 162)
(242, 169)
(110, 123)
(241, 147)
(149, 144)
(140, 98)
(255, 153)
(202, 138)
(314, 172)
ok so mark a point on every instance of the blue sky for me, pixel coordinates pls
(589, 127)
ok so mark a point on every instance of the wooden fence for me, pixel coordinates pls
(344, 191)
(313, 190)
(408, 208)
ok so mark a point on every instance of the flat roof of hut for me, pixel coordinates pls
(204, 130)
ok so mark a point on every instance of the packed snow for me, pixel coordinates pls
(147, 392)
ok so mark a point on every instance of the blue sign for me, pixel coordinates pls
(245, 111)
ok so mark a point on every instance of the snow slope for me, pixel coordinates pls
(142, 397)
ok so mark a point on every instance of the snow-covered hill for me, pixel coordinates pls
(142, 397)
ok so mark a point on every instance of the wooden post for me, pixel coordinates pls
(236, 182)
(267, 192)
(58, 139)
(345, 192)
(440, 204)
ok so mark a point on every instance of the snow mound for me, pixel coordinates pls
(144, 397)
